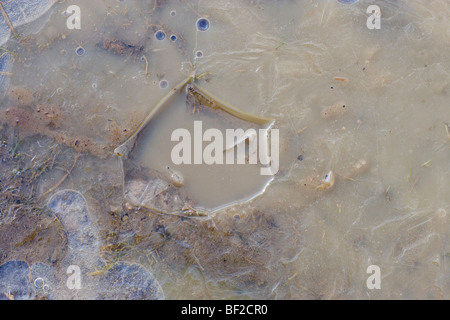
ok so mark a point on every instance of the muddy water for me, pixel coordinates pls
(297, 62)
(211, 186)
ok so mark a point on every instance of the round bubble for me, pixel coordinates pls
(39, 283)
(80, 51)
(163, 84)
(160, 35)
(202, 24)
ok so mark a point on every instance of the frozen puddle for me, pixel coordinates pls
(364, 135)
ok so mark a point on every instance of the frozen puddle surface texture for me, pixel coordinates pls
(14, 281)
(120, 281)
(364, 137)
(96, 281)
(20, 12)
(71, 210)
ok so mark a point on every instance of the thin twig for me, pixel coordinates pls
(447, 126)
(63, 178)
(146, 65)
(345, 177)
(414, 184)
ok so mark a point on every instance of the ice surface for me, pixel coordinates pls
(100, 281)
(71, 209)
(14, 283)
(21, 12)
(389, 152)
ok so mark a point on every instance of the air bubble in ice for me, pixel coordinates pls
(202, 24)
(80, 51)
(160, 35)
(163, 84)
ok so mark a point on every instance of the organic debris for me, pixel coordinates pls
(337, 109)
(121, 47)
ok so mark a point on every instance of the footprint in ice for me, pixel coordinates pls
(94, 279)
(71, 209)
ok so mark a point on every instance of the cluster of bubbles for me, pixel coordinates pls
(202, 24)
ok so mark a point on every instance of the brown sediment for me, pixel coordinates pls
(120, 47)
(336, 110)
(21, 97)
(81, 144)
(31, 118)
(27, 231)
(49, 115)
(43, 123)
(341, 79)
(117, 134)
(235, 248)
(33, 238)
